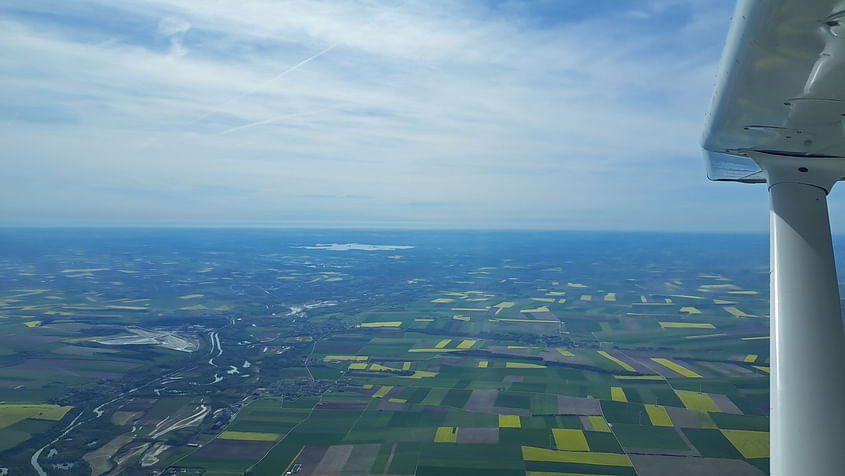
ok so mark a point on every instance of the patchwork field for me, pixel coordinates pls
(542, 357)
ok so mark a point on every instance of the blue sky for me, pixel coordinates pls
(498, 114)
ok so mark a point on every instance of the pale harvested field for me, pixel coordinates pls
(578, 406)
(333, 460)
(479, 435)
(388, 406)
(741, 370)
(503, 350)
(689, 453)
(639, 364)
(122, 418)
(100, 459)
(659, 465)
(394, 392)
(310, 458)
(361, 459)
(511, 411)
(363, 391)
(543, 316)
(587, 424)
(725, 404)
(138, 404)
(234, 449)
(729, 370)
(341, 405)
(683, 418)
(481, 401)
(552, 355)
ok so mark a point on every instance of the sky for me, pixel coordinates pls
(545, 114)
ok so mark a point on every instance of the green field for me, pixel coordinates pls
(356, 362)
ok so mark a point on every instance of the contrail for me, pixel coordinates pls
(297, 65)
(274, 119)
(223, 105)
(292, 69)
(318, 54)
(269, 81)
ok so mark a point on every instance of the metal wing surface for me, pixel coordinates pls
(781, 88)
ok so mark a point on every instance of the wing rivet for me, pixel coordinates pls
(803, 169)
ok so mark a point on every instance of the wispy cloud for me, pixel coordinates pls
(521, 114)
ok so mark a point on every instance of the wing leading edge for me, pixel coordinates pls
(781, 87)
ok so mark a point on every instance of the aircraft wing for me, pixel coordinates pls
(781, 87)
(777, 117)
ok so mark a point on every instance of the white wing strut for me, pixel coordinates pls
(777, 117)
(807, 345)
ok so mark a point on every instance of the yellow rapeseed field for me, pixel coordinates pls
(344, 357)
(381, 324)
(752, 444)
(733, 310)
(539, 309)
(579, 457)
(690, 310)
(435, 350)
(446, 434)
(571, 440)
(527, 321)
(382, 368)
(676, 367)
(617, 394)
(11, 413)
(418, 374)
(522, 365)
(616, 361)
(658, 416)
(382, 391)
(248, 436)
(697, 401)
(639, 377)
(599, 424)
(509, 421)
(687, 325)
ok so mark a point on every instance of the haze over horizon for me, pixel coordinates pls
(366, 114)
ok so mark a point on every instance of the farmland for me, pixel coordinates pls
(215, 352)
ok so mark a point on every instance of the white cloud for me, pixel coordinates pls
(197, 110)
(174, 30)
